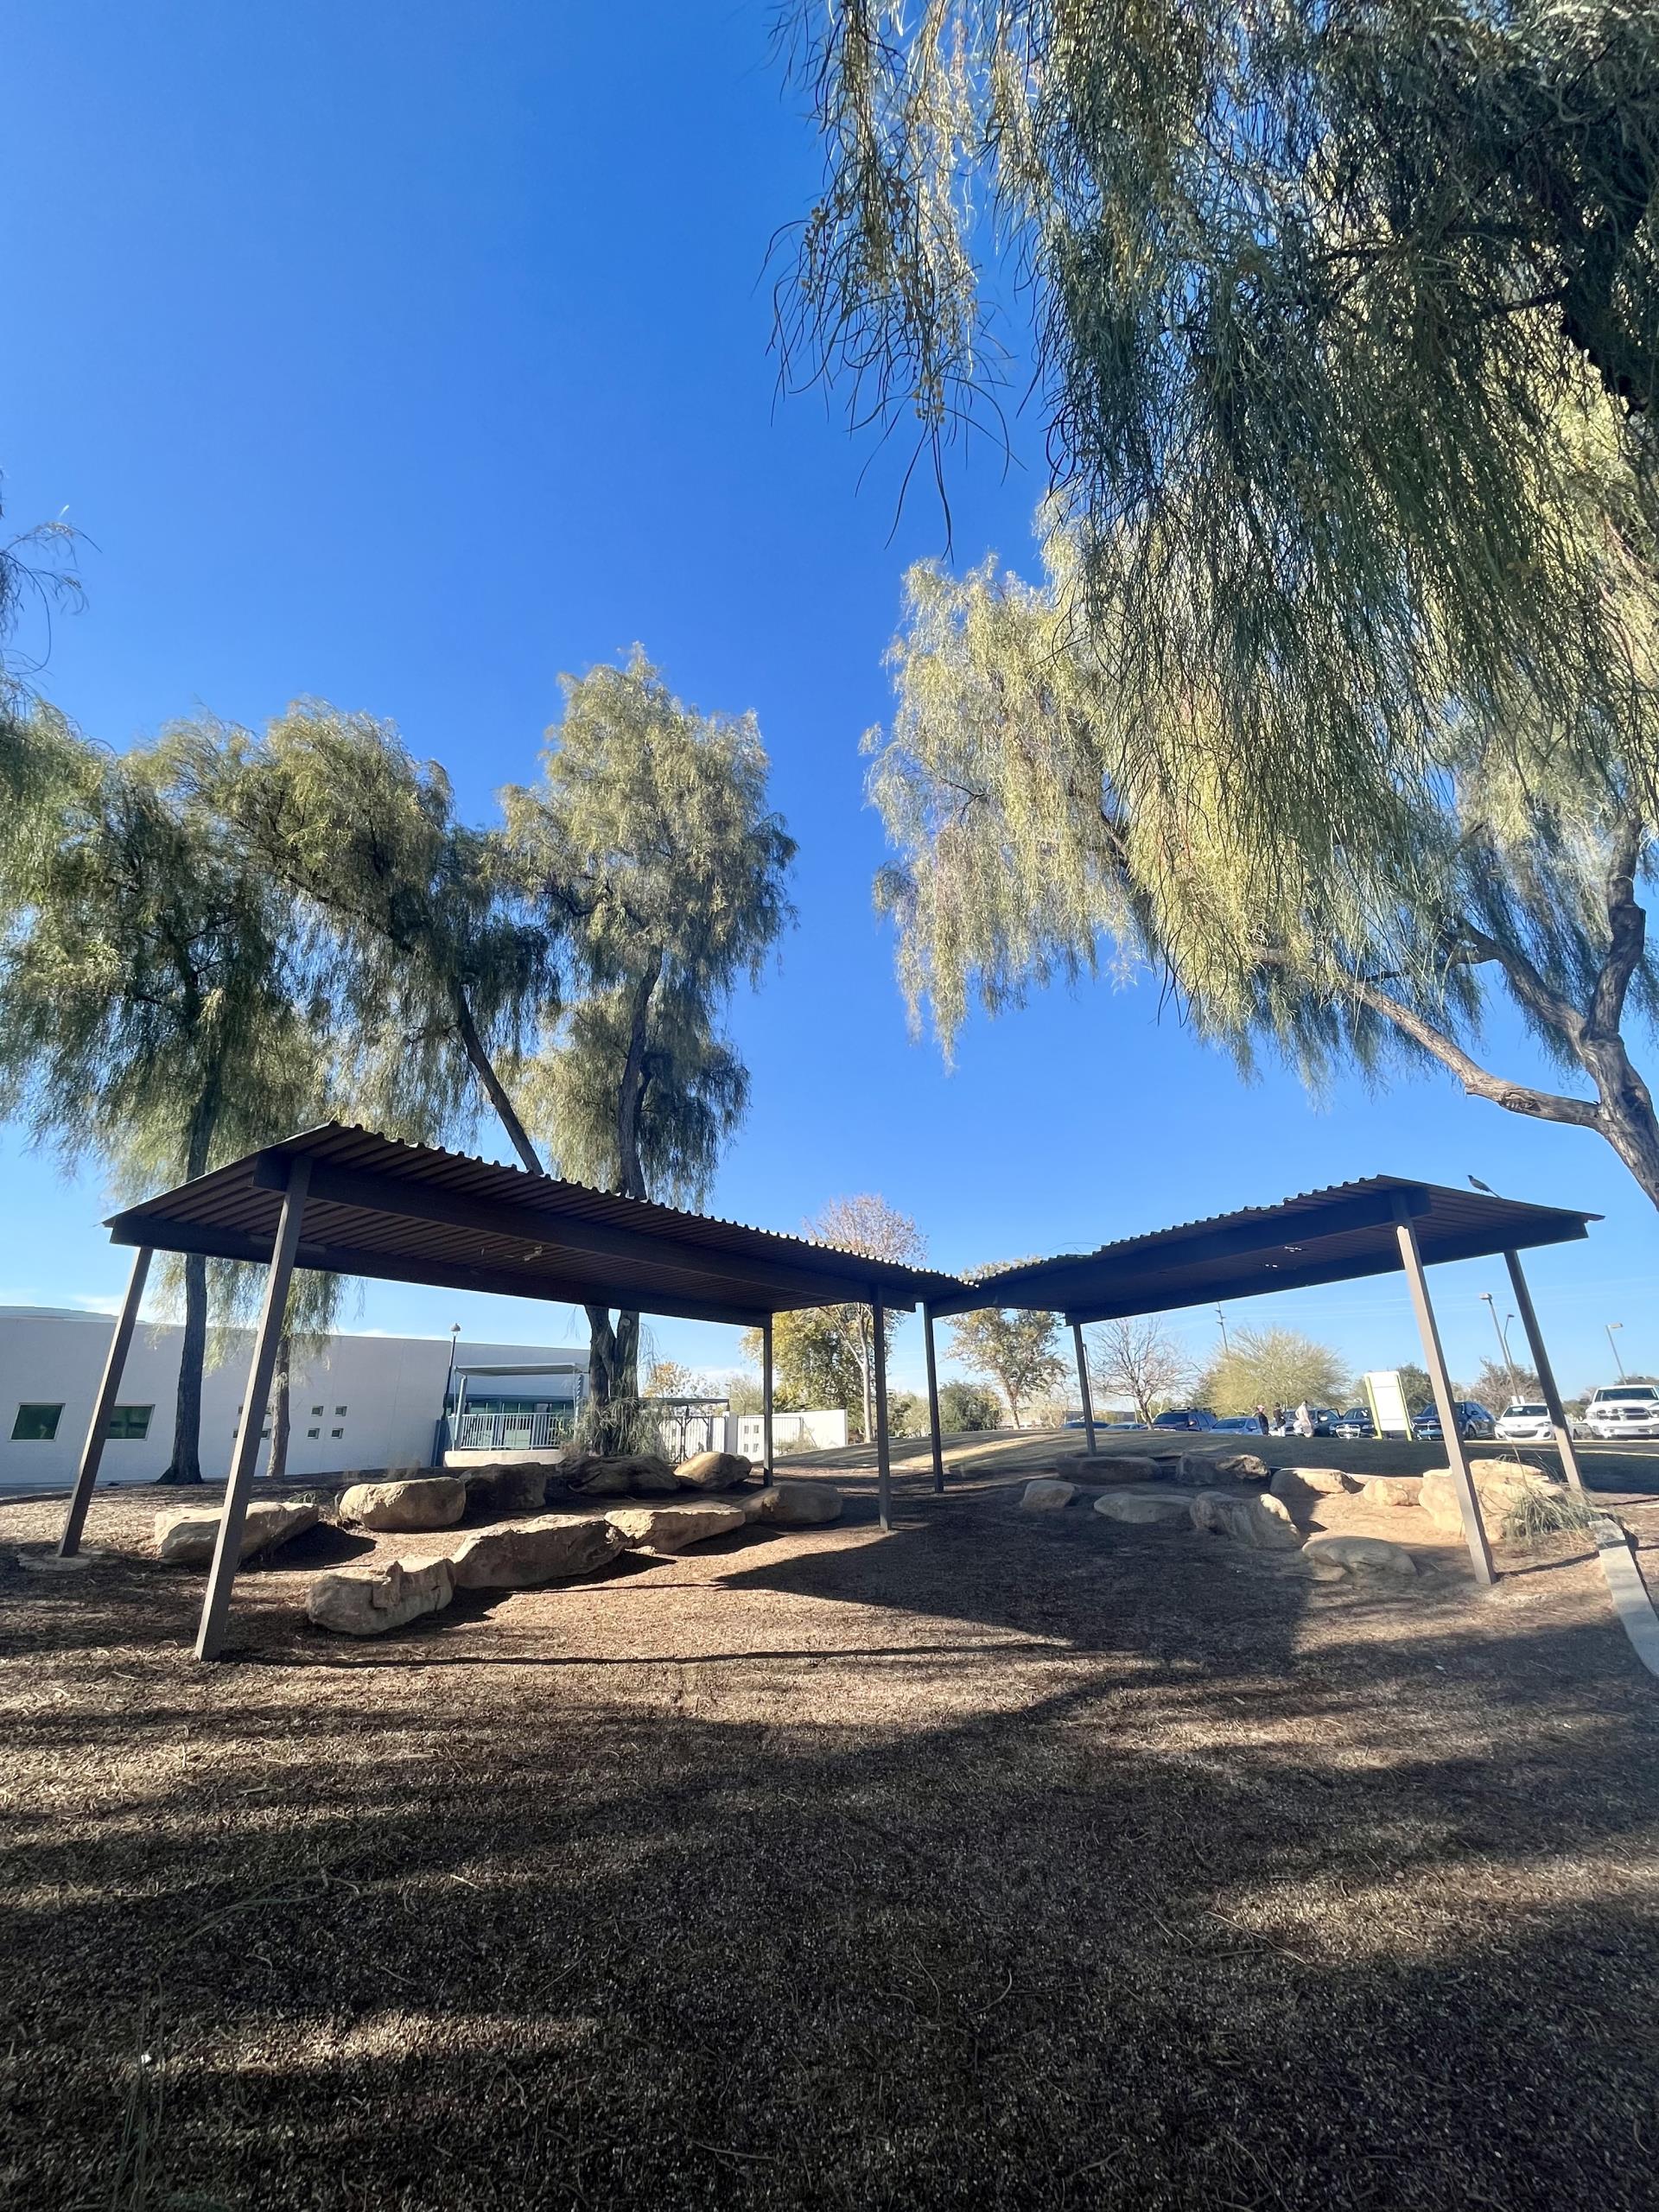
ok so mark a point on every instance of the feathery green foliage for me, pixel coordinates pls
(1272, 1367)
(649, 843)
(153, 1012)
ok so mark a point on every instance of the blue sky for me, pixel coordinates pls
(407, 355)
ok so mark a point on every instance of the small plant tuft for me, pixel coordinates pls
(1539, 1512)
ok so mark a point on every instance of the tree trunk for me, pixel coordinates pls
(277, 1466)
(866, 1357)
(614, 1348)
(495, 1089)
(185, 1465)
(1626, 1111)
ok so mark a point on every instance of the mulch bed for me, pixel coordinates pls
(1009, 1860)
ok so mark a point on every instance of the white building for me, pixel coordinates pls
(362, 1403)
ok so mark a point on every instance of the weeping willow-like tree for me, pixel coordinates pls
(156, 1014)
(439, 978)
(1343, 332)
(1033, 844)
(649, 842)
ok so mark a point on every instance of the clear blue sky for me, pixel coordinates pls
(408, 354)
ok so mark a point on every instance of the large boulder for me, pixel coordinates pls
(419, 1502)
(1046, 1495)
(1372, 1554)
(1499, 1485)
(672, 1528)
(713, 1471)
(1388, 1490)
(1146, 1508)
(1299, 1486)
(794, 1505)
(1119, 1467)
(528, 1552)
(1239, 1466)
(511, 1487)
(1262, 1522)
(186, 1536)
(373, 1600)
(628, 1474)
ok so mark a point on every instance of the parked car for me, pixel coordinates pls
(1357, 1422)
(1473, 1420)
(1526, 1421)
(1076, 1420)
(1623, 1410)
(1188, 1417)
(1241, 1425)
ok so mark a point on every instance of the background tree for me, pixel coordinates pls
(867, 1224)
(1497, 1384)
(1139, 1359)
(667, 1378)
(817, 1361)
(440, 978)
(155, 1010)
(650, 843)
(1417, 1390)
(965, 1407)
(1008, 1346)
(1273, 1366)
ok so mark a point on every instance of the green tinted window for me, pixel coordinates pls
(35, 1424)
(130, 1424)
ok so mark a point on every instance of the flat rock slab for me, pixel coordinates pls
(186, 1536)
(1370, 1554)
(529, 1552)
(424, 1501)
(1298, 1484)
(1262, 1522)
(1120, 1467)
(794, 1505)
(672, 1528)
(713, 1471)
(1146, 1508)
(1048, 1494)
(634, 1474)
(509, 1488)
(1233, 1466)
(373, 1600)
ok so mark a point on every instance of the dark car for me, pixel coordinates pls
(1473, 1421)
(1189, 1417)
(1357, 1422)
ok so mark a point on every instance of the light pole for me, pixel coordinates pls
(1503, 1345)
(448, 1380)
(1613, 1348)
(1225, 1347)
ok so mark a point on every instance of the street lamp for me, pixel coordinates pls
(1618, 1361)
(1503, 1346)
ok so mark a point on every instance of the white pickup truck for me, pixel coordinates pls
(1623, 1410)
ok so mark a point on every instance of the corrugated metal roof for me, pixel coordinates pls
(417, 1213)
(1335, 1234)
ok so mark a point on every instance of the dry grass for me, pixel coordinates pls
(1010, 1860)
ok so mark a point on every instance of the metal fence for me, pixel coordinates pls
(540, 1431)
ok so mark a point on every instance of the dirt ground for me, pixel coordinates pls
(1007, 1860)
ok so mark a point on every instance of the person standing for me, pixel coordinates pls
(1262, 1420)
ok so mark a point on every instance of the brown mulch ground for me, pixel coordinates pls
(1008, 1860)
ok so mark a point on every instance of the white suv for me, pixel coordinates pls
(1624, 1410)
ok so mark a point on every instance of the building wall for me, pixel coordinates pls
(391, 1388)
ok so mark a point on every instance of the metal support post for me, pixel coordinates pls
(766, 1399)
(933, 1399)
(1474, 1529)
(1083, 1386)
(1558, 1420)
(883, 1463)
(103, 1406)
(228, 1551)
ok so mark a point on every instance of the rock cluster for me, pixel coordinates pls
(1500, 1485)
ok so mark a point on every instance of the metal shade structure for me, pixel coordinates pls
(413, 1213)
(1337, 1235)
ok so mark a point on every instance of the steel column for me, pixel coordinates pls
(103, 1406)
(1474, 1529)
(1082, 1385)
(228, 1551)
(933, 1399)
(766, 1398)
(883, 1463)
(1558, 1420)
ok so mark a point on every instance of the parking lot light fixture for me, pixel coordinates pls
(1618, 1361)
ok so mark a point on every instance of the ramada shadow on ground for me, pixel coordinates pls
(1007, 1860)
